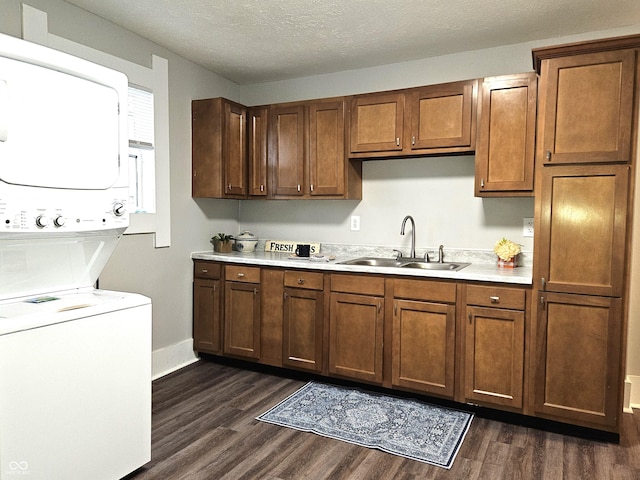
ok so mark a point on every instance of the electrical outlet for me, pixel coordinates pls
(527, 227)
(355, 223)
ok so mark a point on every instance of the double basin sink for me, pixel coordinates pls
(406, 263)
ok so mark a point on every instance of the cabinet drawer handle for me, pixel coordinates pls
(494, 299)
(204, 270)
(240, 275)
(301, 281)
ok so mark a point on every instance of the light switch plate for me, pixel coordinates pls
(527, 227)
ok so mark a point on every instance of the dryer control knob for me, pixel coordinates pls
(118, 209)
(59, 221)
(42, 221)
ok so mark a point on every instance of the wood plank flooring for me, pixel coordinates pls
(204, 427)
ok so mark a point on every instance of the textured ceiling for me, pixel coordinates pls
(252, 41)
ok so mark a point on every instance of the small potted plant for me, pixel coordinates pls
(222, 243)
(506, 250)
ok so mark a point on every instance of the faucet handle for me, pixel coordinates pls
(440, 253)
(399, 254)
(426, 257)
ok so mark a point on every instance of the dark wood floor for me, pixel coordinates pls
(204, 427)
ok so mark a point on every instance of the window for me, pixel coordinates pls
(142, 178)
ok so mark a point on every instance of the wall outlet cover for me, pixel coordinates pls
(527, 227)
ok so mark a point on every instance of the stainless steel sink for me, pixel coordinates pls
(436, 266)
(405, 263)
(374, 262)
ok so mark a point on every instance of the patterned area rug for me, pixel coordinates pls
(399, 426)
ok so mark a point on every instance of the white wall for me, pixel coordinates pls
(438, 192)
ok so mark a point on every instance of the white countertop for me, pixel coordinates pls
(475, 272)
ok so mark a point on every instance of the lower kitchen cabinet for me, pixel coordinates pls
(423, 336)
(303, 320)
(356, 327)
(494, 349)
(578, 353)
(207, 304)
(242, 311)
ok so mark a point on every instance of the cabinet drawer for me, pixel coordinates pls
(242, 273)
(309, 280)
(424, 290)
(500, 297)
(365, 285)
(206, 270)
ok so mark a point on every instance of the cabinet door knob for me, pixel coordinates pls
(397, 141)
(482, 183)
(470, 316)
(543, 283)
(298, 187)
(301, 281)
(413, 140)
(262, 188)
(548, 156)
(494, 299)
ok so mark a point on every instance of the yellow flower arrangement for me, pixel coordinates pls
(506, 249)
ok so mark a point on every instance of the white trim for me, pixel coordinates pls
(156, 78)
(174, 357)
(631, 393)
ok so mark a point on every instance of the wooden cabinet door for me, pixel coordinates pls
(206, 316)
(587, 114)
(327, 155)
(377, 123)
(494, 356)
(355, 336)
(506, 136)
(242, 319)
(443, 116)
(287, 151)
(423, 353)
(583, 218)
(302, 329)
(235, 150)
(577, 358)
(257, 150)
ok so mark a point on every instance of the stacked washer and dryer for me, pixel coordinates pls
(75, 361)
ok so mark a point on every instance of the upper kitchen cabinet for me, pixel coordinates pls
(257, 121)
(307, 154)
(442, 118)
(586, 112)
(219, 153)
(506, 136)
(377, 124)
(431, 120)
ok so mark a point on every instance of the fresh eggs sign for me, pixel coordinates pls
(282, 246)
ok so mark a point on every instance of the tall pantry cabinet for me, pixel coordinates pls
(587, 127)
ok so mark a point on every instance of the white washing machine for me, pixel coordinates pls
(75, 361)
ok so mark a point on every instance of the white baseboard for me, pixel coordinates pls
(174, 357)
(631, 393)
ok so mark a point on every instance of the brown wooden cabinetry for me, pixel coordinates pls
(578, 354)
(585, 126)
(423, 336)
(506, 136)
(207, 307)
(242, 311)
(219, 157)
(586, 113)
(356, 327)
(257, 121)
(494, 345)
(435, 119)
(307, 156)
(303, 320)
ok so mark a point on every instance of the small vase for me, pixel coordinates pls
(511, 263)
